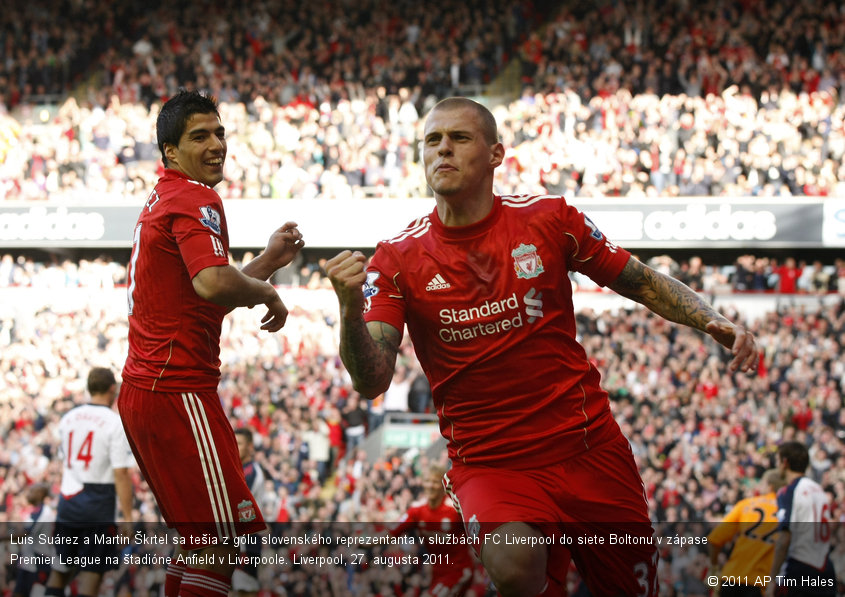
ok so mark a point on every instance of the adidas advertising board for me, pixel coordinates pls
(744, 222)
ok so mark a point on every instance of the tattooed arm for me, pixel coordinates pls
(368, 350)
(677, 302)
(369, 353)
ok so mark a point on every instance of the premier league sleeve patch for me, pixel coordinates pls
(370, 288)
(210, 219)
(596, 233)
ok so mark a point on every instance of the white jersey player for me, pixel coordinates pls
(801, 564)
(93, 444)
(96, 463)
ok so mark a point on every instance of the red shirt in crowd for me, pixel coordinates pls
(450, 557)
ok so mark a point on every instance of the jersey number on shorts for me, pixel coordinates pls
(84, 452)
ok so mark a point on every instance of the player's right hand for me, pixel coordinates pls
(276, 315)
(347, 273)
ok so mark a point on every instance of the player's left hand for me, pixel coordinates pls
(277, 314)
(741, 342)
(284, 244)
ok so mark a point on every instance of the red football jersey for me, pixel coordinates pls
(489, 309)
(174, 334)
(442, 531)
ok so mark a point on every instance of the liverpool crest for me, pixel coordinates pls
(526, 262)
(246, 512)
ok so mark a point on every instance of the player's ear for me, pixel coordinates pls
(497, 155)
(170, 152)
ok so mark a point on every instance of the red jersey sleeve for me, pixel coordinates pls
(590, 252)
(199, 228)
(384, 300)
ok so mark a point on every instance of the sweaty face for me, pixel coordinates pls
(456, 155)
(201, 150)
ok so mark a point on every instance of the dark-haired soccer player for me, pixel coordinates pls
(245, 576)
(96, 464)
(801, 565)
(180, 286)
(483, 285)
(35, 556)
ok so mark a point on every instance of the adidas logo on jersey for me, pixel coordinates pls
(437, 283)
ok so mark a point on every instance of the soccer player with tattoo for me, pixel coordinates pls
(482, 284)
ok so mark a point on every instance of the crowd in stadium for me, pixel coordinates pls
(729, 101)
(701, 435)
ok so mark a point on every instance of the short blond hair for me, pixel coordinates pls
(774, 479)
(489, 128)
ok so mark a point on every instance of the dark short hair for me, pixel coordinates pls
(244, 431)
(796, 456)
(488, 122)
(175, 113)
(100, 380)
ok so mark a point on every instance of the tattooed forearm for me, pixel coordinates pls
(369, 353)
(664, 295)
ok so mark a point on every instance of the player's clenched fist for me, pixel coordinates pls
(347, 273)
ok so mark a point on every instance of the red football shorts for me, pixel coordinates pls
(187, 452)
(591, 509)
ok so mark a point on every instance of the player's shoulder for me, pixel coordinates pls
(552, 209)
(98, 412)
(533, 203)
(807, 488)
(756, 502)
(72, 413)
(417, 505)
(415, 230)
(176, 185)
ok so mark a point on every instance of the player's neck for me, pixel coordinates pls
(101, 400)
(456, 211)
(792, 475)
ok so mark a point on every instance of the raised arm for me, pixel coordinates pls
(284, 244)
(368, 350)
(675, 301)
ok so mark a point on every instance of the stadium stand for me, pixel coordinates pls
(602, 110)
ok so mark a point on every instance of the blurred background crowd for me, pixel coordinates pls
(620, 99)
